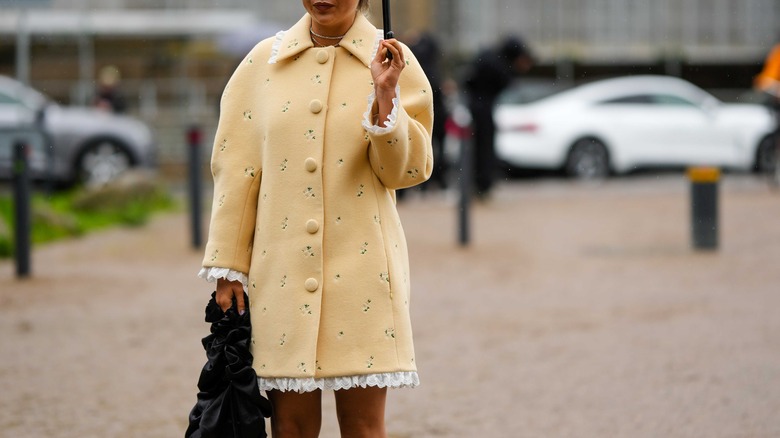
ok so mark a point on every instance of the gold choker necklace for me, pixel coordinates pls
(325, 37)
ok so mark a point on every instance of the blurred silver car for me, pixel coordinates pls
(69, 144)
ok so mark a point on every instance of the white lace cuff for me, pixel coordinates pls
(369, 125)
(212, 274)
(403, 379)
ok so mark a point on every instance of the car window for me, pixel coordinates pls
(6, 99)
(668, 99)
(632, 99)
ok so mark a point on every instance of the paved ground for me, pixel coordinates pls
(578, 311)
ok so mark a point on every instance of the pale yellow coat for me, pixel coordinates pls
(304, 203)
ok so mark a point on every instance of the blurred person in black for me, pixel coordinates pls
(428, 53)
(108, 95)
(490, 73)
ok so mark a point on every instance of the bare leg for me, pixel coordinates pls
(296, 415)
(361, 412)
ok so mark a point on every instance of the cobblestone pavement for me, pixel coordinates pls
(577, 311)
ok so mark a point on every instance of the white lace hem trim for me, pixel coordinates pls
(369, 126)
(275, 48)
(212, 274)
(403, 379)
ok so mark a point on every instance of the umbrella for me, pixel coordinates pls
(229, 400)
(386, 24)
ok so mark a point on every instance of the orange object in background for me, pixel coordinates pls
(769, 78)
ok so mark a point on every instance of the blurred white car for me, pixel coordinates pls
(69, 144)
(618, 125)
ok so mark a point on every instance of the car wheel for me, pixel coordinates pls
(102, 162)
(588, 159)
(765, 156)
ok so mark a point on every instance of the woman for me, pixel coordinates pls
(304, 214)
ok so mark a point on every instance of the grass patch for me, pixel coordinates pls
(80, 211)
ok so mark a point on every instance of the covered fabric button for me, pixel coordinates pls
(315, 106)
(311, 284)
(312, 226)
(322, 56)
(310, 164)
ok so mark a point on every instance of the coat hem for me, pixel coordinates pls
(403, 379)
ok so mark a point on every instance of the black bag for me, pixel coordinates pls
(229, 400)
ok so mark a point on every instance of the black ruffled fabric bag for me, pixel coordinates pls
(229, 400)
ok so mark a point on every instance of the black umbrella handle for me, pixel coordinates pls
(386, 24)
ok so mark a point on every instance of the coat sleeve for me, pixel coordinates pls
(236, 169)
(400, 153)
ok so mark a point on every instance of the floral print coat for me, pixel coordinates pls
(304, 203)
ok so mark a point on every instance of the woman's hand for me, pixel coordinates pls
(386, 73)
(226, 291)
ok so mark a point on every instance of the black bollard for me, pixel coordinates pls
(22, 192)
(462, 119)
(704, 207)
(194, 138)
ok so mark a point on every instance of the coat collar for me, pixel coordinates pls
(362, 40)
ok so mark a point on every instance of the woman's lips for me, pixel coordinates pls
(322, 6)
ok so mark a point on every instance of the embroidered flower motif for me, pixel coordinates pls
(283, 281)
(364, 248)
(340, 162)
(293, 43)
(340, 334)
(254, 285)
(413, 173)
(310, 135)
(297, 57)
(384, 276)
(283, 339)
(424, 91)
(370, 362)
(367, 306)
(338, 220)
(223, 145)
(285, 223)
(248, 115)
(308, 193)
(316, 79)
(267, 82)
(250, 61)
(214, 255)
(308, 251)
(377, 219)
(317, 364)
(264, 253)
(283, 166)
(249, 172)
(286, 106)
(358, 42)
(392, 142)
(302, 367)
(344, 105)
(337, 277)
(390, 333)
(360, 191)
(305, 309)
(265, 196)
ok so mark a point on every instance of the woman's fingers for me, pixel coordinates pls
(227, 291)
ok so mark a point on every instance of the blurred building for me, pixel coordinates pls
(175, 55)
